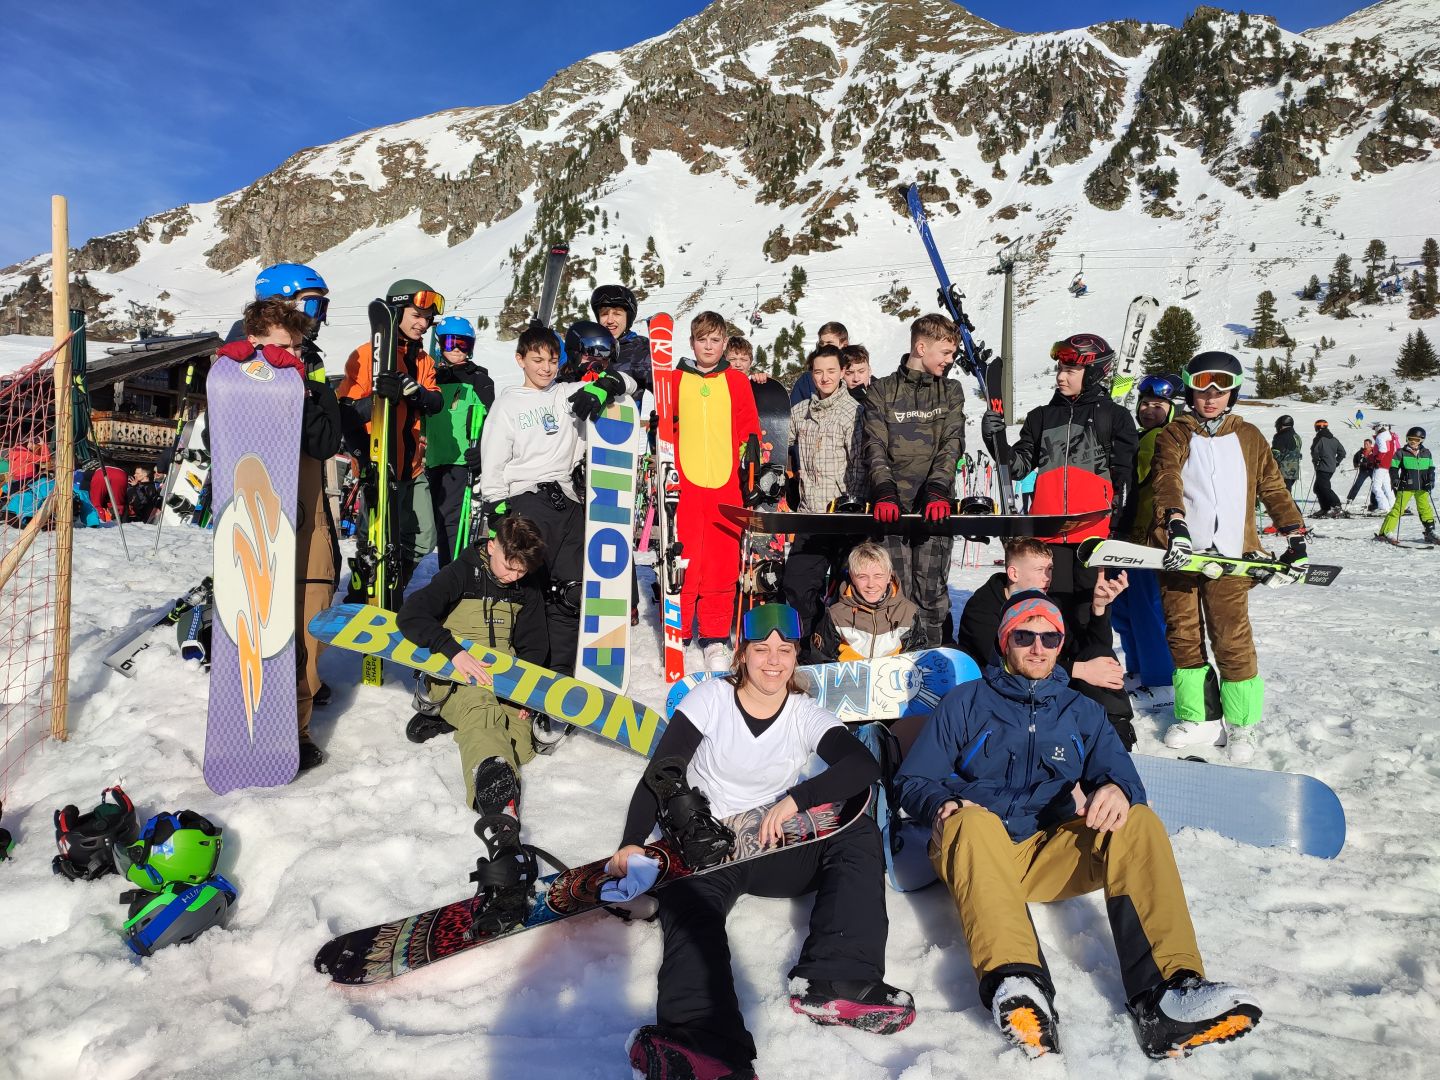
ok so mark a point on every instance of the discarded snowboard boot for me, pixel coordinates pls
(1186, 1012)
(870, 1006)
(657, 1054)
(1025, 1016)
(685, 818)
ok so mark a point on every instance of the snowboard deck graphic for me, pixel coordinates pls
(251, 734)
(135, 638)
(908, 684)
(973, 526)
(762, 553)
(189, 472)
(602, 652)
(1119, 555)
(372, 632)
(383, 952)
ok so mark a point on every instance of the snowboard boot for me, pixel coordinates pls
(685, 818)
(546, 734)
(322, 696)
(876, 1007)
(310, 755)
(497, 790)
(657, 1054)
(1025, 1016)
(1186, 1012)
(423, 728)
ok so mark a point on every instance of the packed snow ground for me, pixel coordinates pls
(1342, 954)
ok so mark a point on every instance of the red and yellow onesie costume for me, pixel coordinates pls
(715, 414)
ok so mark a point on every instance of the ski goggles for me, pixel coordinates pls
(313, 307)
(762, 621)
(1213, 380)
(1051, 639)
(425, 300)
(455, 342)
(1079, 351)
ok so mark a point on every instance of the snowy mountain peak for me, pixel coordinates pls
(1409, 27)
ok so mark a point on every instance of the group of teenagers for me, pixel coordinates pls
(1024, 774)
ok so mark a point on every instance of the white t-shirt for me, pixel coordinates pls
(738, 771)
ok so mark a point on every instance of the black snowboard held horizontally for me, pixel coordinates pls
(970, 526)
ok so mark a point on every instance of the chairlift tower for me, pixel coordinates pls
(1005, 264)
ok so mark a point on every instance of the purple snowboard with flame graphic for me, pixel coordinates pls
(251, 737)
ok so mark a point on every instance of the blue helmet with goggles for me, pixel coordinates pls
(452, 333)
(285, 281)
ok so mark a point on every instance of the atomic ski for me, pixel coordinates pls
(986, 374)
(373, 634)
(1118, 555)
(251, 735)
(1139, 323)
(670, 563)
(382, 952)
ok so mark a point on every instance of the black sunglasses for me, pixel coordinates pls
(1051, 639)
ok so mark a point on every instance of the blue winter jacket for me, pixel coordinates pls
(1017, 748)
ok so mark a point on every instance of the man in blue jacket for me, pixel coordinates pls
(1032, 796)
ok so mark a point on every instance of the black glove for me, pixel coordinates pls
(992, 427)
(589, 402)
(1180, 549)
(472, 458)
(394, 386)
(494, 511)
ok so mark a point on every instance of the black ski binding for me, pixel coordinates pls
(685, 817)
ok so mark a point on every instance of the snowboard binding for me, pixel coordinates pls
(685, 817)
(503, 877)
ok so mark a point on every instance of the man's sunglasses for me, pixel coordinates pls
(1051, 639)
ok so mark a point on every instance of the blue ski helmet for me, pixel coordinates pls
(589, 341)
(284, 281)
(449, 328)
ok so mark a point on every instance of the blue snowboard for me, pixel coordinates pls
(910, 684)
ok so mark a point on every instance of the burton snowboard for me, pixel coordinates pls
(136, 638)
(1119, 555)
(602, 651)
(372, 632)
(382, 952)
(670, 560)
(970, 526)
(909, 684)
(189, 473)
(251, 737)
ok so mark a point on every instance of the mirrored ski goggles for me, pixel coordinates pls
(1065, 352)
(425, 300)
(762, 621)
(1051, 639)
(454, 342)
(1218, 380)
(313, 307)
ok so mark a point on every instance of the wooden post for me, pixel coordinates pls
(64, 460)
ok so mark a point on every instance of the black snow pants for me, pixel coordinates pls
(449, 488)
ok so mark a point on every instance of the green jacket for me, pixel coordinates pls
(1412, 470)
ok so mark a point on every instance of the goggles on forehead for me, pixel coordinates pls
(762, 621)
(425, 300)
(1217, 380)
(452, 342)
(1051, 639)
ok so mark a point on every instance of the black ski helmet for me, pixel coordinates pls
(87, 841)
(1285, 423)
(1088, 350)
(1415, 433)
(1207, 364)
(613, 296)
(589, 341)
(1322, 425)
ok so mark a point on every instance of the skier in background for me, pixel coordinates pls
(467, 392)
(1209, 469)
(914, 422)
(1365, 461)
(1412, 472)
(1327, 455)
(1387, 445)
(1285, 445)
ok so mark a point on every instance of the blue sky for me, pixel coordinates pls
(129, 107)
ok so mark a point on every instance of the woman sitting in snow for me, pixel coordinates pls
(742, 741)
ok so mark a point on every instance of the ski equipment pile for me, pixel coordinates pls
(375, 565)
(762, 481)
(189, 473)
(671, 563)
(136, 638)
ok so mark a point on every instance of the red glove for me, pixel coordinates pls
(937, 510)
(273, 355)
(886, 511)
